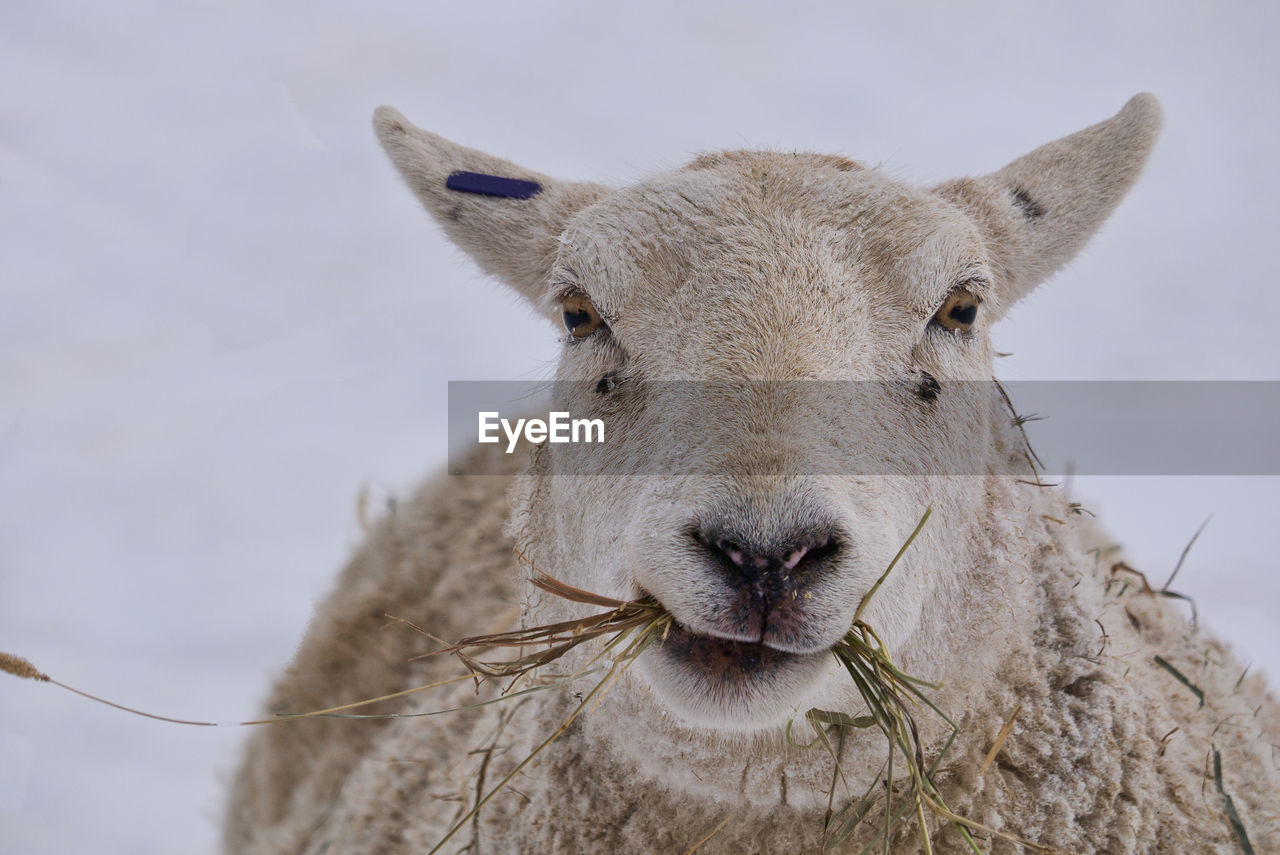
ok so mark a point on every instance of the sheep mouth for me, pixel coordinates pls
(723, 658)
(718, 650)
(729, 684)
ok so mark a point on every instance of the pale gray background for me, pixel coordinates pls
(221, 314)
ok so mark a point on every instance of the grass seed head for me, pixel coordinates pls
(19, 667)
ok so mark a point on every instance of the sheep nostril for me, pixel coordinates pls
(731, 549)
(792, 558)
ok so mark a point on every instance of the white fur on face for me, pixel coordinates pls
(709, 279)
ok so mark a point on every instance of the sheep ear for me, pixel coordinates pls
(1037, 212)
(510, 227)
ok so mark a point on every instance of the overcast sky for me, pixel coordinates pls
(221, 316)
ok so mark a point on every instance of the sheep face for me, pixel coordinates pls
(778, 346)
(763, 344)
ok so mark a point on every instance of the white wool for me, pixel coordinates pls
(767, 266)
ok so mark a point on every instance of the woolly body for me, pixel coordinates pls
(1008, 599)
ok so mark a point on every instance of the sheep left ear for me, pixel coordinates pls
(1040, 210)
(509, 219)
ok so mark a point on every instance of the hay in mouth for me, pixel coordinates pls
(892, 697)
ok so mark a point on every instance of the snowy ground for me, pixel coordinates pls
(221, 315)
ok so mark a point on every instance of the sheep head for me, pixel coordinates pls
(780, 344)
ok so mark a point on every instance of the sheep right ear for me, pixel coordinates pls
(1037, 213)
(510, 227)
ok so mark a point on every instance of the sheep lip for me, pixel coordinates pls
(749, 647)
(726, 657)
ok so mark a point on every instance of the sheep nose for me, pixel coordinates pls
(763, 580)
(767, 562)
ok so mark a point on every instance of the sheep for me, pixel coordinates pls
(1126, 729)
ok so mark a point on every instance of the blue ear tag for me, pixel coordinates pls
(492, 185)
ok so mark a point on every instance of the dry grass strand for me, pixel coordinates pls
(1000, 740)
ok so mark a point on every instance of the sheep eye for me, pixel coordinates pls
(959, 311)
(580, 317)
